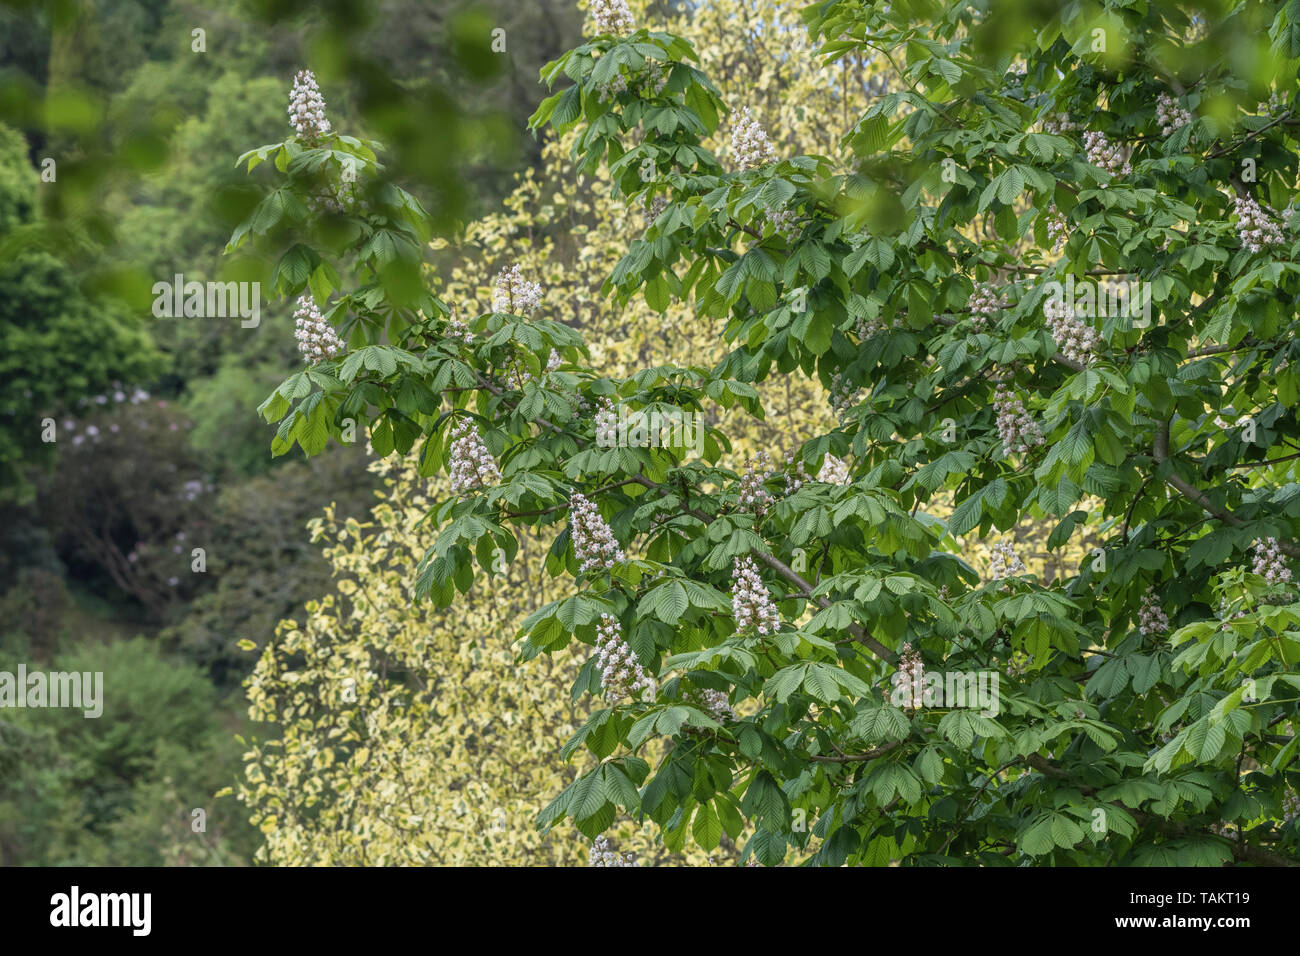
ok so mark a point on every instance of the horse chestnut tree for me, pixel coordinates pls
(1140, 160)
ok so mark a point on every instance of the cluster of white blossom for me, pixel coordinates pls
(194, 487)
(553, 363)
(331, 199)
(1016, 427)
(1058, 230)
(866, 328)
(470, 464)
(1059, 123)
(593, 541)
(606, 424)
(1227, 615)
(92, 432)
(653, 208)
(602, 854)
(716, 704)
(751, 605)
(621, 673)
(749, 142)
(753, 497)
(317, 340)
(612, 16)
(118, 395)
(1224, 423)
(784, 222)
(307, 107)
(611, 89)
(1152, 619)
(1170, 114)
(844, 395)
(514, 294)
(1017, 665)
(911, 675)
(833, 471)
(985, 303)
(1075, 337)
(654, 81)
(1101, 153)
(1275, 101)
(1004, 562)
(1254, 227)
(795, 474)
(456, 329)
(1270, 561)
(1290, 806)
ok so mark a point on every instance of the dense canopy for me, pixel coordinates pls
(1046, 274)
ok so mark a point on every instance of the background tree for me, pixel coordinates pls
(120, 789)
(58, 344)
(408, 736)
(569, 240)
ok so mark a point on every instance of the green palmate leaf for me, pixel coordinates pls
(669, 601)
(707, 827)
(1010, 185)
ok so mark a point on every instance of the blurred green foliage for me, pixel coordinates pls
(56, 343)
(120, 789)
(139, 128)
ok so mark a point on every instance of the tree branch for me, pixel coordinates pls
(1240, 851)
(781, 568)
(852, 758)
(1160, 451)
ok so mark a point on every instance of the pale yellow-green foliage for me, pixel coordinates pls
(405, 739)
(409, 736)
(567, 232)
